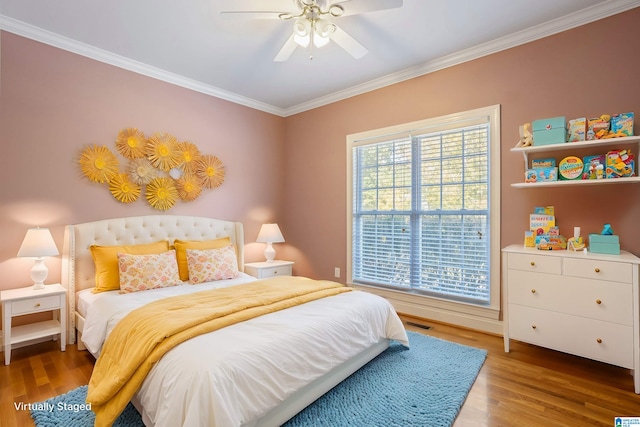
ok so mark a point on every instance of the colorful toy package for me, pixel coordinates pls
(598, 127)
(594, 166)
(543, 163)
(620, 164)
(577, 129)
(541, 175)
(570, 167)
(622, 124)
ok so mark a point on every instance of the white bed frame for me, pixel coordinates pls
(78, 273)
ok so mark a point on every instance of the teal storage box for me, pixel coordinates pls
(604, 244)
(549, 131)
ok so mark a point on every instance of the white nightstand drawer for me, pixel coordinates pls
(535, 263)
(599, 270)
(284, 270)
(263, 270)
(34, 305)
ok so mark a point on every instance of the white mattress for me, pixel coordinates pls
(235, 375)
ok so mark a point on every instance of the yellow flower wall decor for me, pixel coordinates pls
(189, 187)
(165, 169)
(123, 189)
(189, 156)
(162, 151)
(131, 143)
(210, 171)
(162, 193)
(98, 163)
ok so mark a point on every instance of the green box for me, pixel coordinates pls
(549, 131)
(605, 248)
(604, 238)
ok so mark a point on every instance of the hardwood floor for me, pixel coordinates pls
(530, 386)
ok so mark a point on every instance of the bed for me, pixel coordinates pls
(258, 372)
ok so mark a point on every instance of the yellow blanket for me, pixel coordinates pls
(144, 335)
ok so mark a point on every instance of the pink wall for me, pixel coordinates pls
(586, 71)
(54, 102)
(293, 170)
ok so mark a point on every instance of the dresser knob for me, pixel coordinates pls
(533, 291)
(599, 340)
(598, 301)
(38, 305)
(533, 326)
(533, 263)
(597, 270)
(275, 272)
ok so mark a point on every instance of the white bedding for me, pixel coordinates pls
(235, 375)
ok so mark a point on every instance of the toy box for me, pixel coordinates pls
(570, 167)
(541, 175)
(594, 167)
(577, 129)
(552, 243)
(621, 125)
(543, 163)
(604, 244)
(549, 131)
(597, 127)
(619, 164)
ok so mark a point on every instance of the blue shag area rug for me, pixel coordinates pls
(424, 385)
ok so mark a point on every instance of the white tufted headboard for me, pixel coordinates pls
(78, 271)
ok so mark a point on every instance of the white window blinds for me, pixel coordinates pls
(420, 214)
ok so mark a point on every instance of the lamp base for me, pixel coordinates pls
(269, 252)
(39, 273)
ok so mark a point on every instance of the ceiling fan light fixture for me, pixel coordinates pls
(336, 10)
(302, 32)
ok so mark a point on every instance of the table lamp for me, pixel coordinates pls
(270, 233)
(37, 244)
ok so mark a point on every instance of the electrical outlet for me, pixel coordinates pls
(336, 272)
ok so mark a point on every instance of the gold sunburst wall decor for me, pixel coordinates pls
(131, 143)
(211, 171)
(98, 163)
(162, 168)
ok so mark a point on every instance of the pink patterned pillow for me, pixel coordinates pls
(144, 272)
(207, 265)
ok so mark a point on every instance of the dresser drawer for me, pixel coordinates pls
(33, 305)
(535, 263)
(600, 270)
(603, 341)
(607, 301)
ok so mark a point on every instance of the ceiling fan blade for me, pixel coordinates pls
(348, 43)
(250, 14)
(286, 50)
(355, 7)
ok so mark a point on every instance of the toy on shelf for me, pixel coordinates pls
(620, 164)
(606, 242)
(576, 243)
(526, 136)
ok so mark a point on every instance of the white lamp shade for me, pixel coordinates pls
(270, 233)
(38, 243)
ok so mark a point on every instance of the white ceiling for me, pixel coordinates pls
(188, 43)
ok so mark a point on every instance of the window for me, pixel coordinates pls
(424, 208)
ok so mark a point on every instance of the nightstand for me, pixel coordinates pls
(262, 270)
(18, 302)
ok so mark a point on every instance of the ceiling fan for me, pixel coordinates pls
(312, 22)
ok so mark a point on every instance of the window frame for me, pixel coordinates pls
(438, 124)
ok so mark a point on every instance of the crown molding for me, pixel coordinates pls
(581, 17)
(47, 37)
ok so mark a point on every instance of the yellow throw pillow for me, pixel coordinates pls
(105, 259)
(144, 272)
(181, 247)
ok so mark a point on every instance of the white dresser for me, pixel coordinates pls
(583, 304)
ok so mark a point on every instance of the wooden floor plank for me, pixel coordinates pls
(529, 386)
